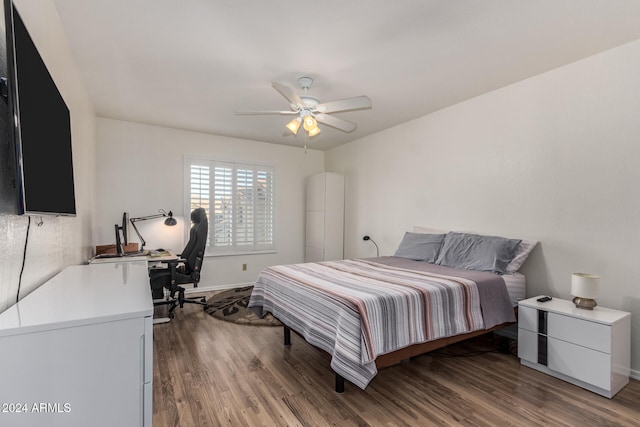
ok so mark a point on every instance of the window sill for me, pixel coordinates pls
(219, 254)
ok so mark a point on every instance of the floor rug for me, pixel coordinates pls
(231, 306)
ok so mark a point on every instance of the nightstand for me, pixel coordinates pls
(588, 348)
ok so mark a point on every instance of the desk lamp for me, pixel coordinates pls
(371, 240)
(170, 221)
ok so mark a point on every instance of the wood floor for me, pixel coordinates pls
(208, 372)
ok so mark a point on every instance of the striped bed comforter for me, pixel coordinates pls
(356, 310)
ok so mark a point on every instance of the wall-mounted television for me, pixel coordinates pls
(40, 125)
(8, 199)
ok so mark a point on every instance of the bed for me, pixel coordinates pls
(371, 313)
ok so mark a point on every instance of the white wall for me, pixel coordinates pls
(58, 242)
(554, 158)
(141, 170)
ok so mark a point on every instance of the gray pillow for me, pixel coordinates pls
(477, 252)
(420, 247)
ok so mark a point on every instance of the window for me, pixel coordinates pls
(239, 200)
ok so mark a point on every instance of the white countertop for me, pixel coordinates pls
(81, 295)
(599, 314)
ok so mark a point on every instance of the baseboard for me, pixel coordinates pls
(189, 289)
(635, 374)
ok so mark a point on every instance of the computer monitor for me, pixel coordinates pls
(125, 228)
(122, 240)
(119, 248)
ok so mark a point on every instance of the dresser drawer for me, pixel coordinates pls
(527, 345)
(591, 366)
(580, 332)
(528, 319)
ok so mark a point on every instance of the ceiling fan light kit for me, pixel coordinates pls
(309, 123)
(294, 125)
(314, 131)
(310, 111)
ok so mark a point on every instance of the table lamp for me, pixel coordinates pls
(585, 288)
(170, 221)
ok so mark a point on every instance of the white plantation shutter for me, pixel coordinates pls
(199, 183)
(264, 208)
(200, 191)
(241, 199)
(244, 206)
(221, 224)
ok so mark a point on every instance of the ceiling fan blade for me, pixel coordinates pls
(241, 113)
(357, 103)
(288, 93)
(337, 123)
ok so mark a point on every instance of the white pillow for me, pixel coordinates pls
(522, 252)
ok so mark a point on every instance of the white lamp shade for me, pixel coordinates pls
(585, 285)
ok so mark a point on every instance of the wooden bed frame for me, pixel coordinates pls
(395, 357)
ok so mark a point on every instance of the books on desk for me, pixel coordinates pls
(151, 256)
(159, 252)
(127, 254)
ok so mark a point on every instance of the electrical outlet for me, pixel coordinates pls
(244, 267)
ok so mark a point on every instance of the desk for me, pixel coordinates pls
(78, 351)
(166, 256)
(151, 259)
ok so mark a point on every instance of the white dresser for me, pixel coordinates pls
(588, 348)
(78, 351)
(324, 238)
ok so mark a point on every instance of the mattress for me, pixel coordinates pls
(516, 286)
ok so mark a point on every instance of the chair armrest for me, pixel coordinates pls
(166, 265)
(173, 268)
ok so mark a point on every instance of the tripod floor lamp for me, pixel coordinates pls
(170, 221)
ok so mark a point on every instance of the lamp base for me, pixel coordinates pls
(585, 303)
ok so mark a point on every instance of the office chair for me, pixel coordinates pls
(184, 270)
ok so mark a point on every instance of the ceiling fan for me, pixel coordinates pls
(309, 111)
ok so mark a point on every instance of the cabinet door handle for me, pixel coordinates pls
(542, 337)
(542, 349)
(542, 322)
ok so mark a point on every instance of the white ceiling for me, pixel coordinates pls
(189, 64)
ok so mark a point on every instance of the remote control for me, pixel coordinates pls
(544, 299)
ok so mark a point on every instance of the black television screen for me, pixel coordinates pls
(43, 134)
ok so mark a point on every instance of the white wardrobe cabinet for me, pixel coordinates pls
(324, 237)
